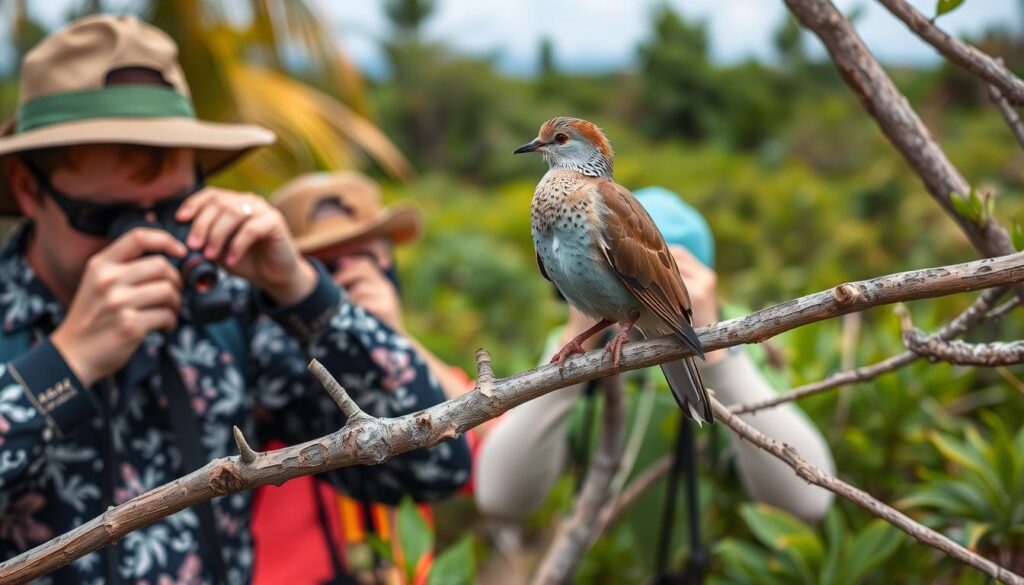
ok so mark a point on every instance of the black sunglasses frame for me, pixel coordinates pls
(96, 219)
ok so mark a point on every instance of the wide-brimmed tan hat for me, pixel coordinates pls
(328, 210)
(65, 98)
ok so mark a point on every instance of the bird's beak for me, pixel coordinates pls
(529, 146)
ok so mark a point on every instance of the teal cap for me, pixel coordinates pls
(679, 222)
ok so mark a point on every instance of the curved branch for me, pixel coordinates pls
(974, 314)
(900, 123)
(982, 65)
(369, 440)
(961, 353)
(863, 499)
(577, 533)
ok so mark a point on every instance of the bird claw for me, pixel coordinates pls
(614, 347)
(572, 348)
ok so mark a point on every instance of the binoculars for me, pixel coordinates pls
(206, 297)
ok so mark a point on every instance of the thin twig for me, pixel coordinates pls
(974, 314)
(958, 352)
(817, 476)
(975, 61)
(643, 481)
(898, 120)
(341, 398)
(577, 533)
(373, 440)
(1009, 114)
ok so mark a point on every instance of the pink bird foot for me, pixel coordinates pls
(576, 345)
(572, 348)
(614, 346)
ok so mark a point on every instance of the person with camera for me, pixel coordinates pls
(338, 218)
(126, 352)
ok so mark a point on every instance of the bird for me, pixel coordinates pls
(600, 248)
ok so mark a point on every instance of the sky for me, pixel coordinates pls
(603, 34)
(597, 35)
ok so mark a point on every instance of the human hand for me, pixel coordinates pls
(368, 288)
(250, 238)
(702, 286)
(127, 290)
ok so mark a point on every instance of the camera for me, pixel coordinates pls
(206, 298)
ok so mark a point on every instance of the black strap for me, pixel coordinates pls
(185, 426)
(340, 576)
(684, 464)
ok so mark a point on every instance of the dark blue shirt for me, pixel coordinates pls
(52, 429)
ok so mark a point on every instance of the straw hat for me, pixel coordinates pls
(327, 210)
(66, 99)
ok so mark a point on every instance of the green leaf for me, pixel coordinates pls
(968, 206)
(835, 538)
(414, 536)
(974, 532)
(945, 6)
(870, 548)
(1018, 236)
(381, 547)
(745, 563)
(934, 497)
(785, 533)
(455, 566)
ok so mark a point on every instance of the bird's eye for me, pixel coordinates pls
(561, 138)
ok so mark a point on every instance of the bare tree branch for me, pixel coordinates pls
(988, 68)
(1009, 114)
(818, 477)
(1003, 309)
(977, 312)
(900, 123)
(369, 440)
(643, 481)
(957, 352)
(576, 534)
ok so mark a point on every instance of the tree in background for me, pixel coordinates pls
(278, 67)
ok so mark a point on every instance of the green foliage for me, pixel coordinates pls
(454, 566)
(945, 6)
(414, 536)
(977, 497)
(793, 552)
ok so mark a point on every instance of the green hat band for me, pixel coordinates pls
(122, 101)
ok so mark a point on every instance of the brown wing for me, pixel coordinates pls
(637, 252)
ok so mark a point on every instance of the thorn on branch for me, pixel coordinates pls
(246, 453)
(341, 398)
(484, 373)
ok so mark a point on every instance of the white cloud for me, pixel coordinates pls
(603, 34)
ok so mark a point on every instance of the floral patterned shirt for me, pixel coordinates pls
(53, 430)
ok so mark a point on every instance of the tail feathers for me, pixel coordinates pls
(688, 389)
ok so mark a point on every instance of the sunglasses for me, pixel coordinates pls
(97, 219)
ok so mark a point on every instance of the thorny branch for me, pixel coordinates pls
(977, 312)
(368, 440)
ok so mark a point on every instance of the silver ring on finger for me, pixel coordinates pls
(247, 209)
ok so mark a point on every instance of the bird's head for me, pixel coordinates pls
(573, 144)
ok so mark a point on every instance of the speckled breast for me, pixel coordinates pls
(565, 221)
